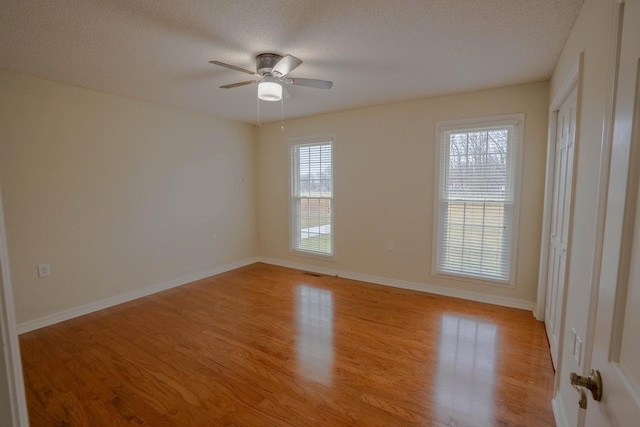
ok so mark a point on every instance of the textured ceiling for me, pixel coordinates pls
(375, 51)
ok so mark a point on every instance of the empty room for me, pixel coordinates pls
(319, 213)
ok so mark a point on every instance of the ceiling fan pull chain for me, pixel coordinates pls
(282, 113)
(258, 105)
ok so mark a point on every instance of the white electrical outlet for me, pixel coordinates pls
(390, 245)
(44, 270)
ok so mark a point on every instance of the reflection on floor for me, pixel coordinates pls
(266, 345)
(315, 335)
(466, 368)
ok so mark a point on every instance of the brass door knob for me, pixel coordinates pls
(592, 382)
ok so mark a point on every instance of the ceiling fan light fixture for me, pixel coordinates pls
(269, 91)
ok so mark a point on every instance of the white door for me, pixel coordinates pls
(560, 214)
(616, 345)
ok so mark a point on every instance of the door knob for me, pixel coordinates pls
(592, 382)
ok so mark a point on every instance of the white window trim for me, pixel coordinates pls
(310, 141)
(518, 120)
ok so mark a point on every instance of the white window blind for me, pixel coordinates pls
(477, 199)
(312, 197)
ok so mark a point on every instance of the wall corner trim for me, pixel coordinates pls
(403, 284)
(41, 322)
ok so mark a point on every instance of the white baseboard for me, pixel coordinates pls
(558, 411)
(403, 284)
(298, 266)
(61, 316)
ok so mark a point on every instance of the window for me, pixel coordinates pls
(312, 227)
(477, 189)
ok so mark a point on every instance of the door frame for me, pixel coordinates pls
(573, 80)
(17, 399)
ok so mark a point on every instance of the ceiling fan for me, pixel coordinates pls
(271, 70)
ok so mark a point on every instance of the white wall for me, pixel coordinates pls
(384, 185)
(116, 194)
(591, 35)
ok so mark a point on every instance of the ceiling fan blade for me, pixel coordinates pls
(318, 84)
(237, 84)
(231, 67)
(287, 64)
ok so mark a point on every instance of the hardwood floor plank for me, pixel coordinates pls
(266, 345)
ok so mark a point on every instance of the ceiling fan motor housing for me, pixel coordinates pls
(265, 62)
(271, 67)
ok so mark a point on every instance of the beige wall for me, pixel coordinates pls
(591, 34)
(384, 184)
(116, 194)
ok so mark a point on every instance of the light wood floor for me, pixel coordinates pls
(269, 346)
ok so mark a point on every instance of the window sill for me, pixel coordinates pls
(311, 255)
(476, 280)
